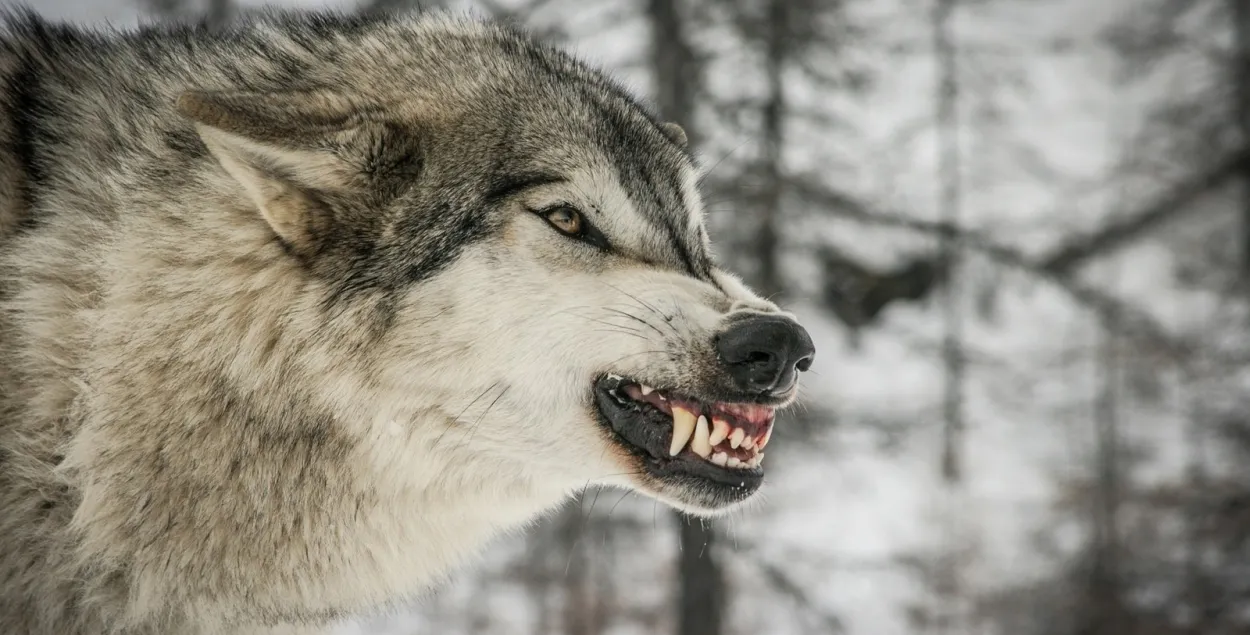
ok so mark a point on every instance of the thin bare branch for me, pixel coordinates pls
(1135, 324)
(1068, 257)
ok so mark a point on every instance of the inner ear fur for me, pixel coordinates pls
(284, 148)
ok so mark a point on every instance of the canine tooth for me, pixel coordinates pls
(646, 390)
(768, 434)
(759, 459)
(720, 431)
(748, 443)
(720, 458)
(735, 439)
(700, 444)
(683, 428)
(734, 462)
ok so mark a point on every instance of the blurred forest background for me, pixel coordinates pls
(1019, 231)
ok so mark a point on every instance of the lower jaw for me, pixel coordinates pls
(687, 480)
(689, 484)
(698, 496)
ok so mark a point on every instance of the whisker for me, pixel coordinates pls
(473, 428)
(456, 419)
(618, 502)
(637, 299)
(633, 333)
(636, 319)
(637, 354)
(704, 177)
(613, 325)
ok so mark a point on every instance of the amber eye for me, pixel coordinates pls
(566, 219)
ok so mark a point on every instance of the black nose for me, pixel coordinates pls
(764, 353)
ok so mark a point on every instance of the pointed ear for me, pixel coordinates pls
(675, 132)
(284, 149)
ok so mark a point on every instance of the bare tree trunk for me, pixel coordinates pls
(676, 68)
(375, 7)
(582, 614)
(768, 277)
(677, 81)
(165, 9)
(1104, 605)
(219, 13)
(1241, 70)
(1200, 594)
(702, 594)
(216, 14)
(952, 608)
(950, 201)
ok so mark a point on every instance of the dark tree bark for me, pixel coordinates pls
(216, 14)
(768, 277)
(1176, 202)
(399, 6)
(949, 586)
(164, 9)
(702, 594)
(1241, 70)
(1105, 611)
(676, 68)
(219, 13)
(950, 201)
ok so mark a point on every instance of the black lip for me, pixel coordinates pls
(646, 433)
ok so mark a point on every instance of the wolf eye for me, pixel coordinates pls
(566, 220)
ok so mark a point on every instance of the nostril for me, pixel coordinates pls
(804, 365)
(758, 357)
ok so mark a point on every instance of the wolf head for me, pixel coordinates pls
(524, 244)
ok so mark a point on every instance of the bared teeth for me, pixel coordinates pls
(701, 444)
(720, 431)
(768, 434)
(646, 390)
(702, 432)
(683, 429)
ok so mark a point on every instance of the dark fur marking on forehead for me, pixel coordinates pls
(504, 186)
(667, 221)
(564, 68)
(632, 153)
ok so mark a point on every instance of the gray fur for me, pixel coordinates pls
(280, 339)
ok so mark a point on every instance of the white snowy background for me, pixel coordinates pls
(1059, 137)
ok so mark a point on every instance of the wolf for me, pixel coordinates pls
(297, 314)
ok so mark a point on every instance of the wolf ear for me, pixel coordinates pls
(284, 149)
(675, 132)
